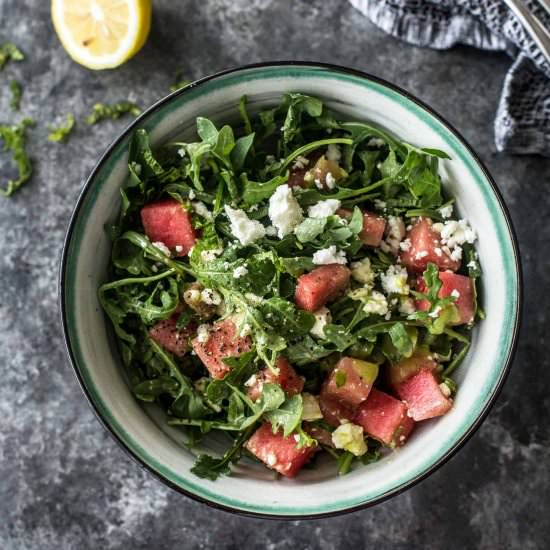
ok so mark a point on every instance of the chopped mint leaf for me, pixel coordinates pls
(14, 138)
(9, 52)
(62, 132)
(101, 111)
(16, 94)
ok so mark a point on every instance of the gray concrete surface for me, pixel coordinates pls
(64, 482)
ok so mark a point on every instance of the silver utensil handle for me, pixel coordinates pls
(532, 25)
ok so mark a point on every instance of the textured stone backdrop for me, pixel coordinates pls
(64, 483)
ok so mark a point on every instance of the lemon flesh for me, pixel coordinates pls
(102, 34)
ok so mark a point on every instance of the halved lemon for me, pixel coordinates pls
(102, 34)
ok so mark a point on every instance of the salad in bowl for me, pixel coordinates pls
(300, 282)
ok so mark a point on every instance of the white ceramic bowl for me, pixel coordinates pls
(252, 489)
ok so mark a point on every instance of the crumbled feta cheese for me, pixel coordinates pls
(210, 255)
(244, 229)
(333, 153)
(322, 318)
(472, 264)
(318, 184)
(324, 208)
(438, 251)
(435, 313)
(181, 152)
(200, 209)
(405, 245)
(163, 248)
(456, 254)
(376, 304)
(191, 194)
(445, 390)
(154, 268)
(329, 255)
(211, 297)
(362, 272)
(395, 233)
(350, 437)
(270, 159)
(455, 293)
(455, 232)
(284, 211)
(311, 410)
(421, 254)
(330, 181)
(239, 272)
(379, 205)
(251, 381)
(376, 142)
(300, 163)
(394, 281)
(406, 306)
(446, 211)
(246, 330)
(271, 231)
(254, 299)
(192, 296)
(203, 333)
(179, 248)
(271, 459)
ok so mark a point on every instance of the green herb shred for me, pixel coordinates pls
(102, 111)
(16, 94)
(14, 138)
(9, 52)
(62, 132)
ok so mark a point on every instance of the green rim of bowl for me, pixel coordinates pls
(457, 148)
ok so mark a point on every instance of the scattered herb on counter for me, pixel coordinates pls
(101, 111)
(62, 132)
(14, 138)
(16, 94)
(10, 52)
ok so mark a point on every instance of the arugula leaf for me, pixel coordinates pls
(16, 94)
(102, 111)
(339, 336)
(244, 115)
(242, 368)
(286, 318)
(9, 52)
(241, 150)
(297, 106)
(14, 138)
(255, 192)
(61, 133)
(287, 416)
(306, 351)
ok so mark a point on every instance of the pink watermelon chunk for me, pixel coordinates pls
(223, 341)
(373, 229)
(462, 287)
(323, 284)
(287, 378)
(166, 334)
(425, 247)
(384, 418)
(278, 452)
(423, 396)
(168, 222)
(345, 388)
(399, 372)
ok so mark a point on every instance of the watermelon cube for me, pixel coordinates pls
(287, 378)
(423, 396)
(373, 229)
(168, 222)
(221, 342)
(461, 287)
(323, 436)
(166, 334)
(278, 452)
(425, 247)
(345, 388)
(322, 285)
(399, 372)
(384, 418)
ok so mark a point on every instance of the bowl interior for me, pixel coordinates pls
(252, 488)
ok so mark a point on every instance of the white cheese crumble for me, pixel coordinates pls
(406, 306)
(203, 333)
(191, 194)
(284, 211)
(179, 248)
(455, 232)
(318, 184)
(330, 181)
(395, 233)
(376, 142)
(446, 211)
(333, 153)
(350, 437)
(406, 245)
(455, 293)
(271, 459)
(210, 255)
(362, 272)
(254, 299)
(472, 264)
(421, 254)
(435, 313)
(244, 229)
(200, 209)
(163, 248)
(324, 208)
(329, 255)
(445, 390)
(379, 205)
(239, 272)
(181, 152)
(322, 318)
(394, 281)
(300, 163)
(376, 304)
(271, 231)
(211, 297)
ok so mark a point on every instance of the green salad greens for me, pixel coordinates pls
(296, 281)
